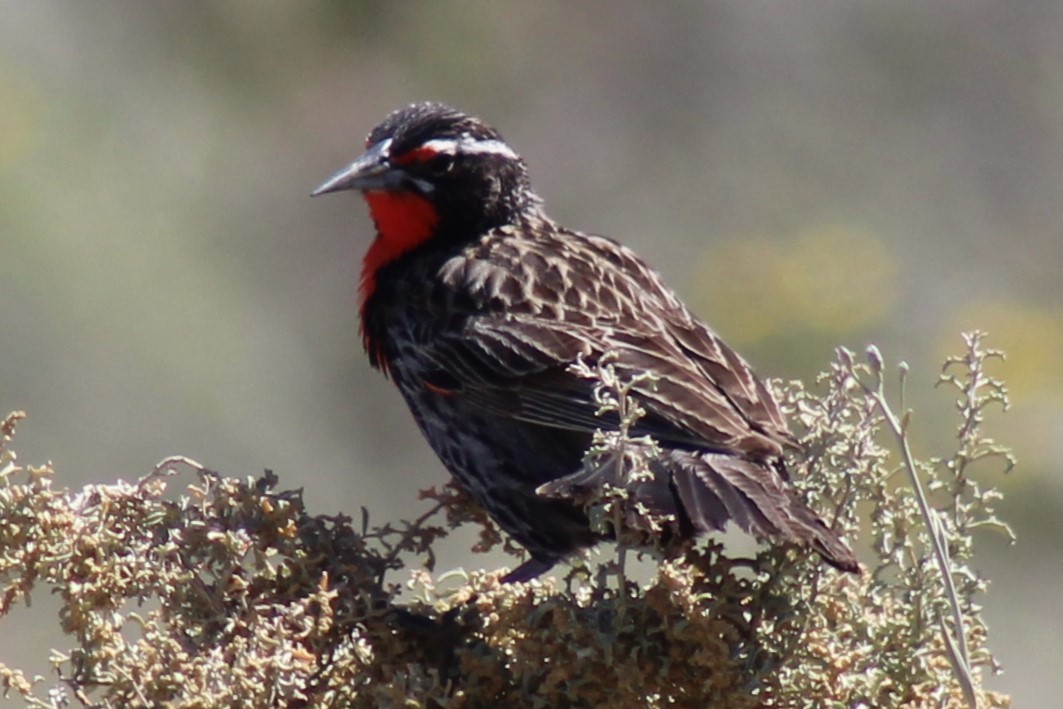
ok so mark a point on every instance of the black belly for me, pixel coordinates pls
(501, 461)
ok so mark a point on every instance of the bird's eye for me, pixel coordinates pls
(441, 164)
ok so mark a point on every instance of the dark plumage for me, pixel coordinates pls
(476, 303)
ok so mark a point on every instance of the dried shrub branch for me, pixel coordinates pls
(221, 591)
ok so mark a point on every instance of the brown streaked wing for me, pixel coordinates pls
(513, 352)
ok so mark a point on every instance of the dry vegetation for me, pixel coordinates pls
(227, 592)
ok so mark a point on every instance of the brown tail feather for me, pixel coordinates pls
(705, 491)
(714, 489)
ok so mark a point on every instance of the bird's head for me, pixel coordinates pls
(429, 170)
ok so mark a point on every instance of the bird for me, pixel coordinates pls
(478, 306)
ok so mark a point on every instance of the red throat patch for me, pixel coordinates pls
(403, 221)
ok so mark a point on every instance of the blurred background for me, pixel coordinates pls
(807, 176)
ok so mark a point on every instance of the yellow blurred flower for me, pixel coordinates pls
(835, 280)
(1031, 337)
(18, 120)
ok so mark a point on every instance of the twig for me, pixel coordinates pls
(957, 645)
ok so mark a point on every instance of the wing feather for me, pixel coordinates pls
(513, 351)
(511, 355)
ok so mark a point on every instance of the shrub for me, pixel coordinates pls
(227, 592)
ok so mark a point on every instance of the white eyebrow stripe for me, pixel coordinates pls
(470, 146)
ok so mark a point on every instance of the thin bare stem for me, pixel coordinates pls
(956, 644)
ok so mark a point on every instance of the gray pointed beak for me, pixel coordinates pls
(372, 171)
